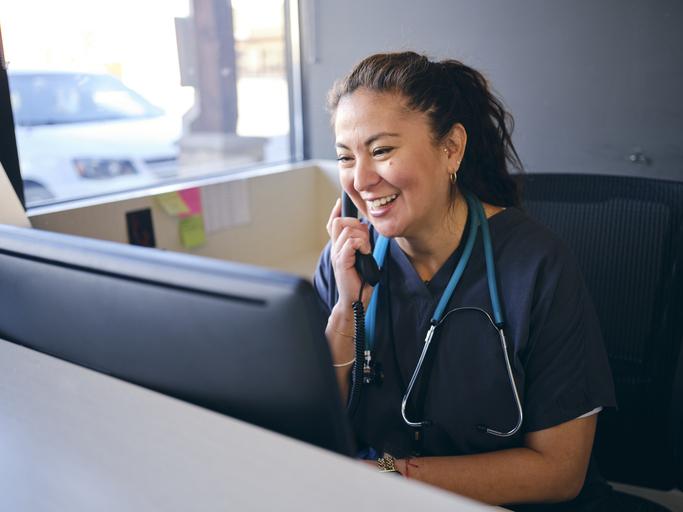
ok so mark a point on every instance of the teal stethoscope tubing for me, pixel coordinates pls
(478, 219)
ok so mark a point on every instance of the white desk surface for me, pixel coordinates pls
(72, 439)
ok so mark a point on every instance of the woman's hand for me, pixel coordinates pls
(347, 235)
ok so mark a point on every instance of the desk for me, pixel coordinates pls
(72, 439)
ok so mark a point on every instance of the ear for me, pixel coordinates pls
(455, 143)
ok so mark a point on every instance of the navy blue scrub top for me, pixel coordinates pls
(558, 357)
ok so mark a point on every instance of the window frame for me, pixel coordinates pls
(9, 155)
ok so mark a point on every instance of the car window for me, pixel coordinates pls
(50, 98)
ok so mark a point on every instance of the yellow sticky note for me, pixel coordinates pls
(172, 203)
(192, 231)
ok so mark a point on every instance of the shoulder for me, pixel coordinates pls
(535, 266)
(520, 237)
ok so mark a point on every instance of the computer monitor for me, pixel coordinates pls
(240, 340)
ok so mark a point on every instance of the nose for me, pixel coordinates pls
(365, 174)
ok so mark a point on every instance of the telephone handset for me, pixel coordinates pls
(365, 370)
(366, 266)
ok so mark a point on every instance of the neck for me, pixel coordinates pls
(429, 250)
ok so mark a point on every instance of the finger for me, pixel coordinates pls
(338, 225)
(335, 213)
(342, 237)
(359, 231)
(347, 253)
(366, 246)
(362, 232)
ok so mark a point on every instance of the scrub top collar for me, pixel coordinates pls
(407, 277)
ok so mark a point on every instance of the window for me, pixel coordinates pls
(110, 96)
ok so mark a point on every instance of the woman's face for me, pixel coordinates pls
(389, 164)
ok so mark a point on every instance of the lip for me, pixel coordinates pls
(381, 210)
(374, 198)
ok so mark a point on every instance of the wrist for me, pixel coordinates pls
(401, 466)
(340, 333)
(408, 467)
(341, 318)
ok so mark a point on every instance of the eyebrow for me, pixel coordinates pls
(371, 139)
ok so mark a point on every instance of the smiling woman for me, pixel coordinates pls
(511, 389)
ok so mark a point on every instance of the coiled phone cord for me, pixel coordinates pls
(359, 343)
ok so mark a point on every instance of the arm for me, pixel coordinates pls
(339, 333)
(551, 467)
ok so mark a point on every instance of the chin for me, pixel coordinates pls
(386, 229)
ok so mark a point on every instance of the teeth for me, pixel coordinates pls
(382, 201)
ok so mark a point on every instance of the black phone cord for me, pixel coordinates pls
(359, 344)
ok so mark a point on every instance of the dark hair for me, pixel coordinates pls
(449, 92)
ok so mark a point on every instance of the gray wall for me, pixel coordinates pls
(588, 82)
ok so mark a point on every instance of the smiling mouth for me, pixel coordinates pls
(382, 201)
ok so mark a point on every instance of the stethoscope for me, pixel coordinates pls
(381, 246)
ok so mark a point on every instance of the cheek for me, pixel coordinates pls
(401, 175)
(395, 172)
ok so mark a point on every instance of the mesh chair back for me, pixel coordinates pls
(627, 234)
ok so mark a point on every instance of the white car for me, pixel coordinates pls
(85, 134)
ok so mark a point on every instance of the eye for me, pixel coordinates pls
(342, 159)
(381, 151)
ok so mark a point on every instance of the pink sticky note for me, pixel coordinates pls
(193, 199)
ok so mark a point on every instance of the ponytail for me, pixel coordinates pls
(484, 168)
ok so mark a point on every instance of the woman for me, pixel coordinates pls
(420, 146)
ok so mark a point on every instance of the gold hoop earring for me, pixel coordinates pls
(454, 177)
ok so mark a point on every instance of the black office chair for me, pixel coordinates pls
(627, 234)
